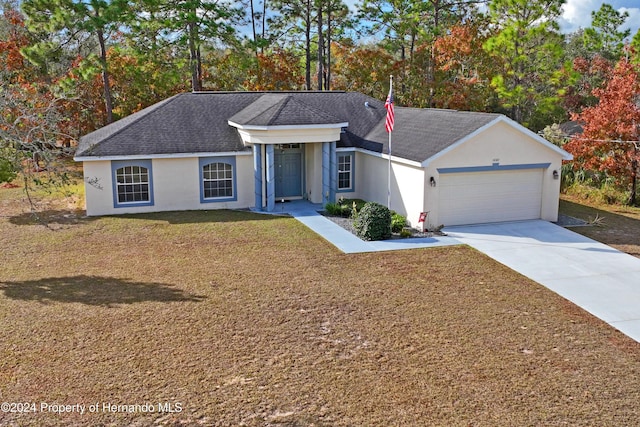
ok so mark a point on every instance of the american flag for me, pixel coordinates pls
(388, 105)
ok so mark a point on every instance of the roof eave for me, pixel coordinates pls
(504, 119)
(289, 127)
(244, 152)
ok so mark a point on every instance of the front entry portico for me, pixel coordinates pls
(285, 172)
(275, 126)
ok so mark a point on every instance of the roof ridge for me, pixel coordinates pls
(282, 104)
(448, 110)
(312, 108)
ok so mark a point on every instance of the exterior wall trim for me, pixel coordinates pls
(395, 159)
(494, 168)
(161, 156)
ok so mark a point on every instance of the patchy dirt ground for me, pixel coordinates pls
(617, 226)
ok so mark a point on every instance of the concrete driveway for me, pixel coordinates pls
(600, 279)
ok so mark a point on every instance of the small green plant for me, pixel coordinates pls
(398, 222)
(405, 232)
(346, 208)
(333, 209)
(373, 222)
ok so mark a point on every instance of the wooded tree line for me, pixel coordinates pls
(93, 61)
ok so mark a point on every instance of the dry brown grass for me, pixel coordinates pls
(252, 320)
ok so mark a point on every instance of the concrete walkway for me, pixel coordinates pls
(600, 279)
(307, 213)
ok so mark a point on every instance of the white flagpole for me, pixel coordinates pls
(389, 152)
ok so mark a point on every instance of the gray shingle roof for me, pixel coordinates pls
(198, 123)
(420, 133)
(276, 109)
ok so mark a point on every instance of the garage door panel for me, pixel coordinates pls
(479, 197)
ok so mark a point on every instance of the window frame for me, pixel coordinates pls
(121, 164)
(352, 159)
(228, 160)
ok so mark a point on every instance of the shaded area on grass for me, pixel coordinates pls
(94, 290)
(51, 216)
(67, 216)
(618, 229)
(202, 216)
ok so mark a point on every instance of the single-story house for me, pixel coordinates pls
(229, 150)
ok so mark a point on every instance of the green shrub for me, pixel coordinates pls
(373, 222)
(7, 169)
(333, 209)
(398, 222)
(346, 208)
(606, 194)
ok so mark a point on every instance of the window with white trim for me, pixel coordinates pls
(217, 180)
(132, 184)
(345, 171)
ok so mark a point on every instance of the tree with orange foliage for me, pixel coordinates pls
(14, 37)
(362, 69)
(30, 116)
(462, 68)
(609, 142)
(278, 70)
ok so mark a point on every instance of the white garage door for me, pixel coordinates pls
(480, 197)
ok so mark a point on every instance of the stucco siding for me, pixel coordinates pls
(406, 185)
(98, 187)
(371, 181)
(175, 184)
(407, 195)
(313, 172)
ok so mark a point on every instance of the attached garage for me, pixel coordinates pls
(490, 196)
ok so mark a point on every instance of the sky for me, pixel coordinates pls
(577, 13)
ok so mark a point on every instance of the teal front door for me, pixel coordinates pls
(288, 172)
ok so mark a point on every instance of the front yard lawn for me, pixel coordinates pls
(233, 318)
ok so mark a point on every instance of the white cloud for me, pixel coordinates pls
(633, 21)
(577, 14)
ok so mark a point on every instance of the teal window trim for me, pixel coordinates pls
(132, 179)
(346, 161)
(216, 178)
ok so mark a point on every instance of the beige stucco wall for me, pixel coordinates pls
(371, 178)
(407, 191)
(407, 183)
(176, 186)
(313, 172)
(504, 145)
